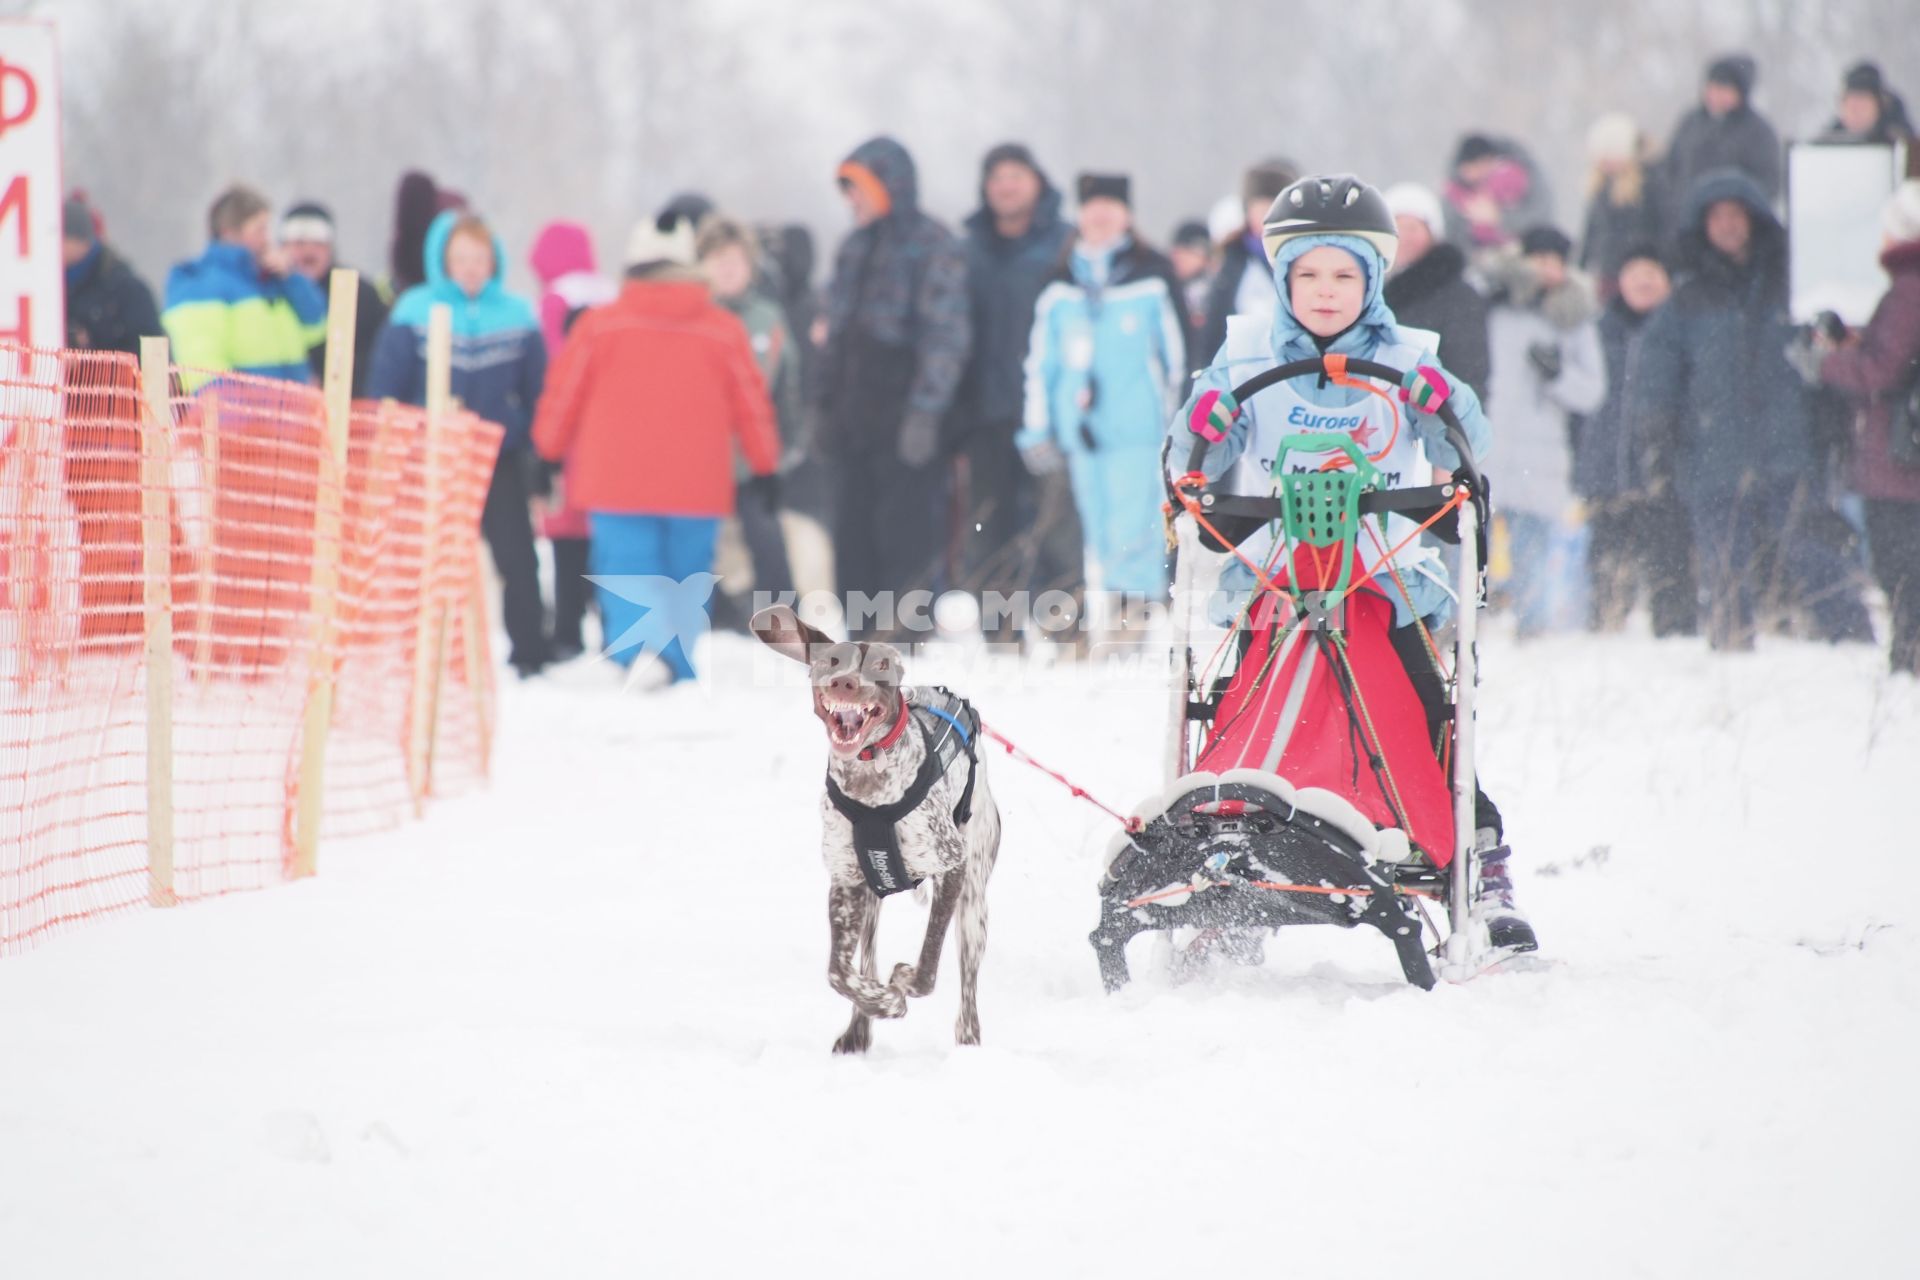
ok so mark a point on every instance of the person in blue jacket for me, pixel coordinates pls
(1105, 364)
(499, 366)
(1332, 241)
(237, 308)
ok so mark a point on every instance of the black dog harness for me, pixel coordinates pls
(949, 725)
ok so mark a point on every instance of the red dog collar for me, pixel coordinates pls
(893, 734)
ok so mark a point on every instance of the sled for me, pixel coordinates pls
(1302, 785)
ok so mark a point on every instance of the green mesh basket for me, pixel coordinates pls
(1322, 508)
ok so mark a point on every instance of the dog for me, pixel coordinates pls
(906, 804)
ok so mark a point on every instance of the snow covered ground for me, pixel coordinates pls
(578, 1025)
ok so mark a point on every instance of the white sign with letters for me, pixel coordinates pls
(32, 273)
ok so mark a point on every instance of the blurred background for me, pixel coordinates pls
(600, 109)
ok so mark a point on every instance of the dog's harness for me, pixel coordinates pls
(949, 725)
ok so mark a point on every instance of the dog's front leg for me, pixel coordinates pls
(853, 913)
(918, 980)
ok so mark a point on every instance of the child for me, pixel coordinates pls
(1547, 367)
(1331, 241)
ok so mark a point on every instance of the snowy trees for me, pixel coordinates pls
(601, 108)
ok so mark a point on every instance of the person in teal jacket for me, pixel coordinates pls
(499, 370)
(237, 308)
(1105, 363)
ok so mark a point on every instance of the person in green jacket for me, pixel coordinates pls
(237, 308)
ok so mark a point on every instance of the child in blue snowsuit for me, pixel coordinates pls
(1331, 241)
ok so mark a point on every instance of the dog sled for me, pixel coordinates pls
(1303, 784)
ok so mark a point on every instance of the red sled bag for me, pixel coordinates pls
(1336, 710)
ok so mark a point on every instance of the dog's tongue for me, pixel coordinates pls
(845, 725)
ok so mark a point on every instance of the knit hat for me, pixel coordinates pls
(667, 240)
(1736, 71)
(1901, 221)
(415, 206)
(1864, 77)
(1267, 179)
(1546, 239)
(693, 206)
(1105, 186)
(1475, 146)
(308, 221)
(1613, 136)
(1009, 153)
(1192, 234)
(1227, 218)
(1645, 251)
(76, 220)
(1411, 200)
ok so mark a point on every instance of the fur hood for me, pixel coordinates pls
(1565, 307)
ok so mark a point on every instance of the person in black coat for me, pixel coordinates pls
(1627, 204)
(1428, 288)
(1722, 132)
(1711, 387)
(1244, 285)
(1015, 241)
(1638, 529)
(109, 308)
(898, 333)
(1870, 112)
(306, 233)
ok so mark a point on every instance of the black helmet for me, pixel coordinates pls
(1337, 204)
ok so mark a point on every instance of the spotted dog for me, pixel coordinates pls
(906, 805)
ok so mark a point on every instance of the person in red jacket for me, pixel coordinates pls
(1877, 368)
(646, 405)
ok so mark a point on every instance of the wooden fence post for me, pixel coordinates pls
(156, 574)
(430, 625)
(342, 303)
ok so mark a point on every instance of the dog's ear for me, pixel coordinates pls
(781, 630)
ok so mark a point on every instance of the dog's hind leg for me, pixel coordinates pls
(853, 916)
(917, 980)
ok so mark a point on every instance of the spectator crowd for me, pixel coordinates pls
(984, 410)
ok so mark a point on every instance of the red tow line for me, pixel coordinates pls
(1133, 825)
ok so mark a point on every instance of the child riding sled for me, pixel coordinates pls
(1331, 241)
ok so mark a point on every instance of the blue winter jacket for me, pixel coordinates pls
(1106, 355)
(223, 316)
(499, 355)
(1375, 328)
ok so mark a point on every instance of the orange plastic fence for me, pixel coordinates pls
(245, 471)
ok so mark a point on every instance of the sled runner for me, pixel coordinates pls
(1304, 787)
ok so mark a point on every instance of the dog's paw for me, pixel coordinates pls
(890, 1002)
(967, 1031)
(904, 977)
(854, 1039)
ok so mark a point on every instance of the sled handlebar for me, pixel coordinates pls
(1468, 469)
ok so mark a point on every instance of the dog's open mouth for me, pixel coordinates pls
(848, 723)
